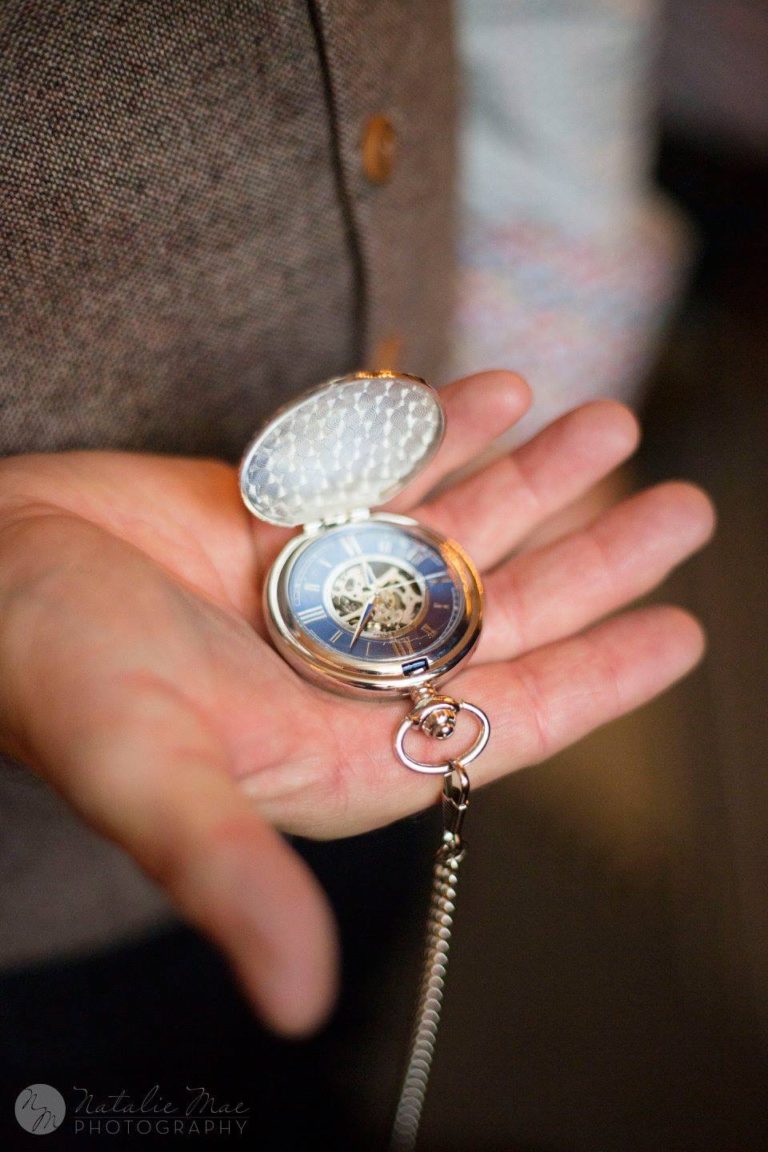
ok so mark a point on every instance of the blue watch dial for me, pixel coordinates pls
(375, 591)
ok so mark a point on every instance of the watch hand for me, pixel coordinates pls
(362, 622)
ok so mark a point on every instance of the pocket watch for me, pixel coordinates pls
(372, 604)
(362, 602)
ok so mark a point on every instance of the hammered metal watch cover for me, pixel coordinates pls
(354, 442)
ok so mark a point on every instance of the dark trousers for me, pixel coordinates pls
(165, 1011)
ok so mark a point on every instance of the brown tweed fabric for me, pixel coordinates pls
(188, 238)
(181, 248)
(406, 229)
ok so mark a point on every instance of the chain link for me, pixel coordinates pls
(435, 715)
(438, 938)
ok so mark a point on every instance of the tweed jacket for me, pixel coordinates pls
(201, 215)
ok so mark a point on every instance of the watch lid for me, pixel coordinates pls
(352, 443)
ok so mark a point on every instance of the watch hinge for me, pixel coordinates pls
(336, 519)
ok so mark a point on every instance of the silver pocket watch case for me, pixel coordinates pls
(324, 461)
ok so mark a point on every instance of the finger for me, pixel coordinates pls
(543, 595)
(548, 699)
(158, 785)
(491, 512)
(537, 705)
(478, 409)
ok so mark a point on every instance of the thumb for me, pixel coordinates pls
(163, 791)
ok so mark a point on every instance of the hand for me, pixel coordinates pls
(135, 675)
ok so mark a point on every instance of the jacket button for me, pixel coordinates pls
(388, 353)
(379, 142)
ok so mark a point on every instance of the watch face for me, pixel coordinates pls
(381, 601)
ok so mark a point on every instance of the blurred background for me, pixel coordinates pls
(609, 987)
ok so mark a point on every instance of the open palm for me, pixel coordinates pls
(136, 678)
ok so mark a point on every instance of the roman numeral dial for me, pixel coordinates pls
(374, 593)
